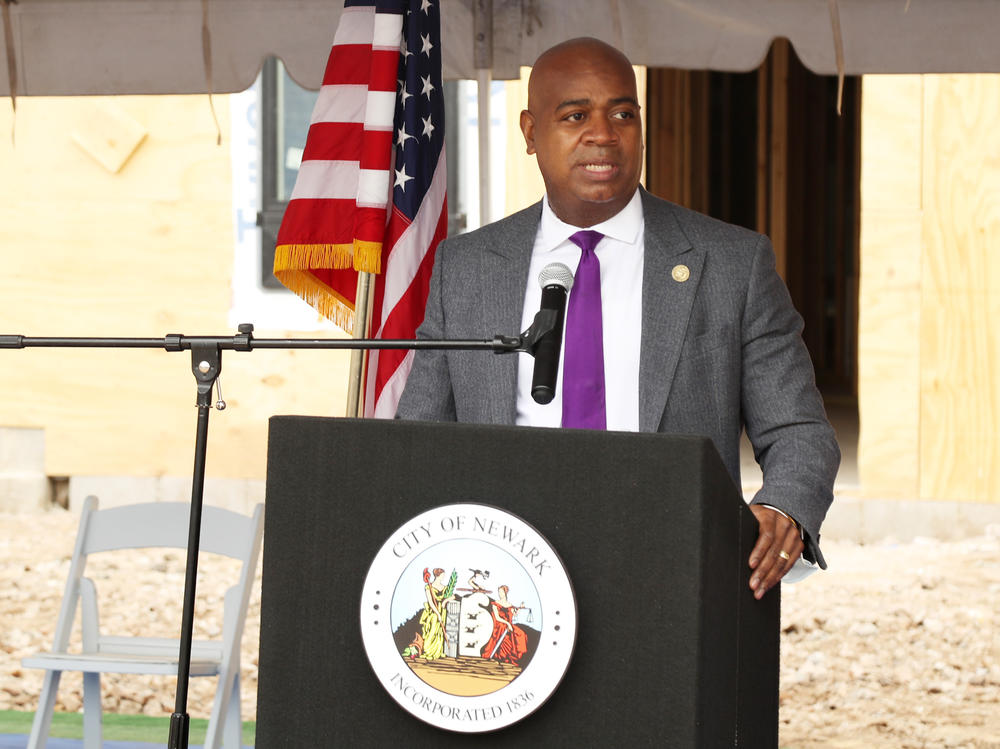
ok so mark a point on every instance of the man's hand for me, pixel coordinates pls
(778, 546)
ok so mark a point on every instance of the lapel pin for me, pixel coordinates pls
(680, 273)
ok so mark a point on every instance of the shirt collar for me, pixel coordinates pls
(623, 226)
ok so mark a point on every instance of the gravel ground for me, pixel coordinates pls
(897, 645)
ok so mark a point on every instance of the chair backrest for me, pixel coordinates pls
(160, 525)
(165, 525)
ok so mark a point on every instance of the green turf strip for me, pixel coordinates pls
(116, 727)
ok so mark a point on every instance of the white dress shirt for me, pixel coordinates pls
(621, 255)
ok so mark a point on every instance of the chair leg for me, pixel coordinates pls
(92, 710)
(43, 715)
(224, 726)
(233, 733)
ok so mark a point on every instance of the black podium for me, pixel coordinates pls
(672, 649)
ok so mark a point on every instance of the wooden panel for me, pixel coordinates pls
(892, 128)
(524, 182)
(109, 135)
(144, 252)
(777, 221)
(763, 125)
(960, 353)
(889, 356)
(663, 154)
(678, 142)
(889, 305)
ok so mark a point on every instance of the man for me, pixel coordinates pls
(712, 342)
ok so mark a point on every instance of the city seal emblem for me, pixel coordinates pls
(468, 618)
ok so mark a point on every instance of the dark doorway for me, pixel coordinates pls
(768, 150)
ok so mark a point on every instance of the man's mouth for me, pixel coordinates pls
(598, 168)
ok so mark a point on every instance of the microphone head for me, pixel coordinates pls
(556, 274)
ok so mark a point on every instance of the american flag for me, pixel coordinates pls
(370, 194)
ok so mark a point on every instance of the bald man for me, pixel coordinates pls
(697, 330)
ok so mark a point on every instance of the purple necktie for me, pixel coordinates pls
(583, 354)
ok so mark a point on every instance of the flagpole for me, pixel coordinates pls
(362, 321)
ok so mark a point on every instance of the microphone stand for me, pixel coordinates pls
(206, 364)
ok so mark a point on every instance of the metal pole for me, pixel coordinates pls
(362, 319)
(485, 79)
(206, 363)
(482, 20)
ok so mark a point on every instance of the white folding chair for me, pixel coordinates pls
(154, 525)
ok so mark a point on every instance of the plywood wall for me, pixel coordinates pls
(889, 303)
(960, 345)
(143, 251)
(929, 353)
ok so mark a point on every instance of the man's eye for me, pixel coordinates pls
(575, 117)
(623, 115)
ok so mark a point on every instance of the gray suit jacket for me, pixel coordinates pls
(720, 351)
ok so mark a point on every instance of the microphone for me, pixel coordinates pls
(556, 280)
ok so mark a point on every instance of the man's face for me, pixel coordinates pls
(583, 125)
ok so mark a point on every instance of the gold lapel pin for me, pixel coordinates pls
(680, 273)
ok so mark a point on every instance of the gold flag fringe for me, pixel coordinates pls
(320, 297)
(367, 256)
(363, 256)
(293, 264)
(305, 256)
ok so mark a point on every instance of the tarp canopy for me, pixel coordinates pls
(62, 47)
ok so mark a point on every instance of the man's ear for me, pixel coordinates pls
(528, 130)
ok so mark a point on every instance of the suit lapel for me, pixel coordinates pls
(505, 277)
(666, 307)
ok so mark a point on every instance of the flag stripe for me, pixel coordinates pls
(339, 141)
(305, 220)
(326, 180)
(376, 153)
(356, 26)
(341, 103)
(349, 65)
(408, 311)
(402, 323)
(384, 69)
(373, 189)
(380, 108)
(389, 395)
(388, 27)
(369, 226)
(392, 327)
(360, 65)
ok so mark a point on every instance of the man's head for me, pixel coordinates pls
(583, 125)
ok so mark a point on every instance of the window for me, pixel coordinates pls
(286, 109)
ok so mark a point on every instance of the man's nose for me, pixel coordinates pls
(601, 131)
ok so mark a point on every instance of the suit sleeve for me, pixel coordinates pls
(428, 394)
(783, 412)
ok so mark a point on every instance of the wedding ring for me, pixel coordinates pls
(784, 555)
